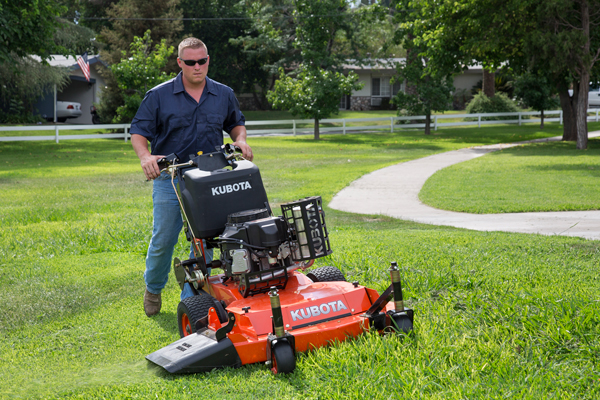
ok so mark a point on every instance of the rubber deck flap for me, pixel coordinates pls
(196, 353)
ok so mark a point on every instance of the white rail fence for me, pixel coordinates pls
(292, 126)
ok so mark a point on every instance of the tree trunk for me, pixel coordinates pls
(581, 105)
(566, 104)
(542, 123)
(581, 102)
(317, 135)
(258, 101)
(428, 123)
(489, 83)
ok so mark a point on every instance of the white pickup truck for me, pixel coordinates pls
(593, 95)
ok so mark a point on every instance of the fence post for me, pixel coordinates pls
(56, 132)
(597, 115)
(125, 130)
(519, 118)
(294, 121)
(392, 124)
(344, 125)
(479, 121)
(435, 123)
(561, 119)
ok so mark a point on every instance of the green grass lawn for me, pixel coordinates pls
(498, 315)
(539, 177)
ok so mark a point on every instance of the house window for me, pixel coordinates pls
(375, 87)
(381, 87)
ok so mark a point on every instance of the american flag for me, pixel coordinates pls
(82, 60)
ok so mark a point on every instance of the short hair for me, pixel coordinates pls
(190, 43)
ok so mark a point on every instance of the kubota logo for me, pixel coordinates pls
(216, 191)
(315, 311)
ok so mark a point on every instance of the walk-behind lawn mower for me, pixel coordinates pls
(262, 308)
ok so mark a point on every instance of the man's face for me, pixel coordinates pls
(196, 73)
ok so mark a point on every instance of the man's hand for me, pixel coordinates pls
(150, 166)
(246, 150)
(148, 161)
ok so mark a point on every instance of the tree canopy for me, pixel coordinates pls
(136, 74)
(556, 37)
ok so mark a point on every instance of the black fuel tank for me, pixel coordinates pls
(210, 196)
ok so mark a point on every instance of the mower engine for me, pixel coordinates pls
(224, 202)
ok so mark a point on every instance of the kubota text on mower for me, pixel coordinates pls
(262, 308)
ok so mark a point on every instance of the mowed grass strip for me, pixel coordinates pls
(551, 176)
(498, 315)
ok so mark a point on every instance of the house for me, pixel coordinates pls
(78, 89)
(378, 88)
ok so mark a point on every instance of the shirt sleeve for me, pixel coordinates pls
(234, 115)
(144, 122)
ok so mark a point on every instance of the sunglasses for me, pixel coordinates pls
(191, 63)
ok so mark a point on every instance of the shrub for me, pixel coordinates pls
(500, 103)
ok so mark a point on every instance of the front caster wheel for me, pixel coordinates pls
(284, 360)
(401, 323)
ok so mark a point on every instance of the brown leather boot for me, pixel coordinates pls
(152, 303)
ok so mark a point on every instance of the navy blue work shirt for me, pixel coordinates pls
(174, 122)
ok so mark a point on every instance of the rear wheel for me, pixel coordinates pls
(284, 360)
(191, 309)
(326, 274)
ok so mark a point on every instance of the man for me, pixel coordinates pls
(185, 115)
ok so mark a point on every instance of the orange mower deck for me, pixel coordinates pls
(315, 314)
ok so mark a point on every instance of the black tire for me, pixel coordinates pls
(402, 323)
(95, 119)
(326, 274)
(284, 360)
(193, 308)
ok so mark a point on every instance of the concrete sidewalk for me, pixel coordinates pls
(394, 191)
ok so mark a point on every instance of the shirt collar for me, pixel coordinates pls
(178, 85)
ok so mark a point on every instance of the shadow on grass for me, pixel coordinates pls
(167, 320)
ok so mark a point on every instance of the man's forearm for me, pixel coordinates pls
(140, 146)
(238, 134)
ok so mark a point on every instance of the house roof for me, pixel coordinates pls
(69, 61)
(378, 64)
(389, 64)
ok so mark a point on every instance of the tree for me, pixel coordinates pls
(555, 37)
(27, 28)
(425, 90)
(429, 93)
(313, 93)
(220, 21)
(20, 91)
(132, 18)
(268, 43)
(567, 48)
(316, 85)
(142, 71)
(536, 92)
(33, 28)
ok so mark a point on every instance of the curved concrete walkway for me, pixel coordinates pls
(394, 191)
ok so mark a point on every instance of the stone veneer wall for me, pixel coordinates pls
(360, 103)
(247, 103)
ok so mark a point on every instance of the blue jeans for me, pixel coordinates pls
(165, 233)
